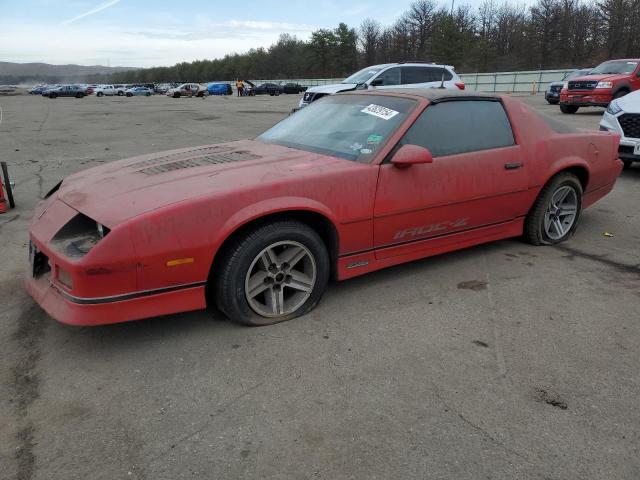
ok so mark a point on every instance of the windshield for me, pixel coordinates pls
(618, 66)
(353, 127)
(362, 76)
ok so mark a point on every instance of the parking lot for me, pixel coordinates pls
(501, 361)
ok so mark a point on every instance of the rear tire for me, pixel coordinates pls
(555, 214)
(147, 94)
(568, 108)
(176, 95)
(99, 94)
(120, 94)
(53, 95)
(553, 102)
(129, 94)
(274, 273)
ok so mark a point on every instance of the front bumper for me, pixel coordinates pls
(93, 312)
(587, 98)
(100, 296)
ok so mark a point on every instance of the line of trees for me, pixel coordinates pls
(493, 37)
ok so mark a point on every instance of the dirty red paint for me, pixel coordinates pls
(157, 212)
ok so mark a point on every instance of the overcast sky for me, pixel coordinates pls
(161, 32)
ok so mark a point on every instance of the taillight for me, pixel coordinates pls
(460, 85)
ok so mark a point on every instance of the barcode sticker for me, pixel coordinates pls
(380, 112)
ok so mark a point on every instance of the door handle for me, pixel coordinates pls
(512, 166)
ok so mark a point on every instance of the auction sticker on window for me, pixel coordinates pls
(380, 111)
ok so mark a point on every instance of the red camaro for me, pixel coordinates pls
(353, 183)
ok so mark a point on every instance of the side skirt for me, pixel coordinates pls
(355, 264)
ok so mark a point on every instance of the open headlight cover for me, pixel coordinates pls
(79, 236)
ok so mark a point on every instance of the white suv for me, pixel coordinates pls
(391, 75)
(623, 116)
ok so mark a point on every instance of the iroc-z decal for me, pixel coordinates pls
(445, 225)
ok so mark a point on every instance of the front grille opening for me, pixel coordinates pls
(630, 124)
(582, 85)
(40, 265)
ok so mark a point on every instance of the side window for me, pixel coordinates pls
(390, 77)
(454, 127)
(411, 75)
(436, 74)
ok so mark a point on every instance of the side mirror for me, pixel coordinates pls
(362, 86)
(411, 155)
(377, 82)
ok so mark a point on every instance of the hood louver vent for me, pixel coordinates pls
(202, 161)
(180, 155)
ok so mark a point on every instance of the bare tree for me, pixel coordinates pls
(369, 38)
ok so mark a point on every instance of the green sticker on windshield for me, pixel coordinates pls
(374, 139)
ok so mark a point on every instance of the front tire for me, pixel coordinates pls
(555, 214)
(99, 94)
(553, 102)
(275, 273)
(120, 94)
(627, 164)
(129, 94)
(570, 109)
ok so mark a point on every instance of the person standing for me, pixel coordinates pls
(240, 87)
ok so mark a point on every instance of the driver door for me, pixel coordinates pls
(477, 179)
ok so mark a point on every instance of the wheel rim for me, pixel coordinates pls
(561, 212)
(280, 279)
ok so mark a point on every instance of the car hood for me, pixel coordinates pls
(120, 190)
(333, 88)
(600, 78)
(630, 103)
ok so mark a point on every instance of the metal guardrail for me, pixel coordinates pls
(531, 81)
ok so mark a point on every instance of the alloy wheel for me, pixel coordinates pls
(561, 213)
(280, 279)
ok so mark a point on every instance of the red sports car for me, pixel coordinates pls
(353, 183)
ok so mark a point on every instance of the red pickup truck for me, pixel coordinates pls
(609, 80)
